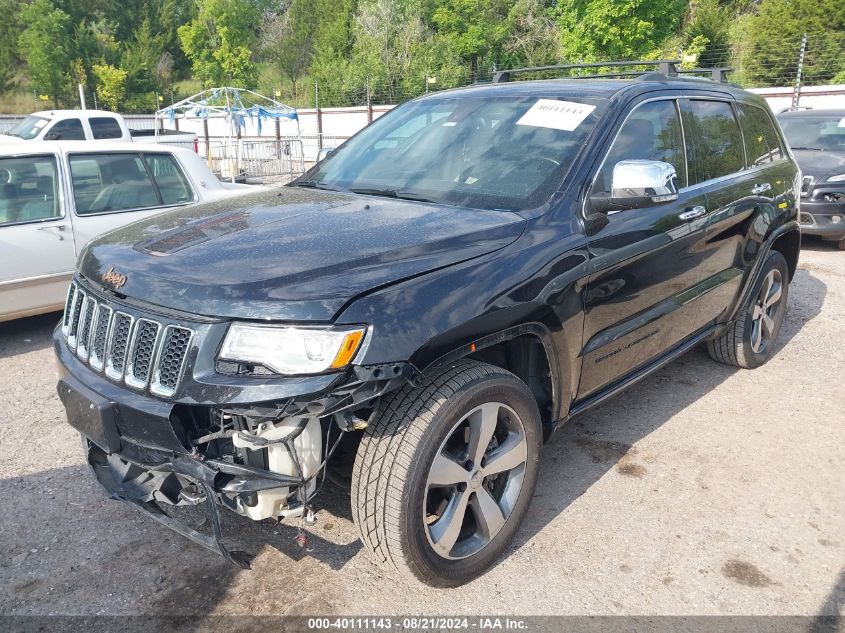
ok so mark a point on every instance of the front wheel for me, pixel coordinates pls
(445, 472)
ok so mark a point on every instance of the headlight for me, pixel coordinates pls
(292, 350)
(837, 178)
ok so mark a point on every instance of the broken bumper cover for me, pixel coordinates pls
(140, 454)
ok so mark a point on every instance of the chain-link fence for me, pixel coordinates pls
(817, 60)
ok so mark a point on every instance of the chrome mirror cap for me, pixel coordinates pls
(651, 179)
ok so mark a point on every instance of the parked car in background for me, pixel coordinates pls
(55, 197)
(89, 125)
(817, 138)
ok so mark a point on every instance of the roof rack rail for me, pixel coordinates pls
(719, 74)
(666, 67)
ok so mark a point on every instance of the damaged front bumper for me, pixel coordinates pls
(152, 452)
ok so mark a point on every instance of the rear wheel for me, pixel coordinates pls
(842, 244)
(445, 472)
(749, 342)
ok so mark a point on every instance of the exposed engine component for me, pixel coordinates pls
(292, 446)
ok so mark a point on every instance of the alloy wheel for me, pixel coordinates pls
(763, 312)
(475, 480)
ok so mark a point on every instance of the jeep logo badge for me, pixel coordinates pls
(111, 276)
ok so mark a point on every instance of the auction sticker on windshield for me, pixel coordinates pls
(558, 115)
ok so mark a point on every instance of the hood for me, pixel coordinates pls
(5, 138)
(820, 164)
(288, 253)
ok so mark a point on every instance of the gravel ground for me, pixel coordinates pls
(702, 490)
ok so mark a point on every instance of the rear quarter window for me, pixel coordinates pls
(761, 139)
(105, 127)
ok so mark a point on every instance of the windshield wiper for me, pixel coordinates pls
(393, 193)
(313, 184)
(815, 149)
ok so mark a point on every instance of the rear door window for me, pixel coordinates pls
(168, 176)
(105, 127)
(105, 183)
(67, 130)
(762, 142)
(721, 150)
(29, 189)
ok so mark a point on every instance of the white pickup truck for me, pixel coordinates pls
(89, 125)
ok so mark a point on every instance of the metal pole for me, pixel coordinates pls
(207, 144)
(369, 103)
(796, 94)
(319, 117)
(81, 96)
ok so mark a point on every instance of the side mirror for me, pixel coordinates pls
(324, 153)
(636, 184)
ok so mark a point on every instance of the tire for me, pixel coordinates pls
(841, 244)
(749, 341)
(400, 502)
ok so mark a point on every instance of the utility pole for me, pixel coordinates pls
(81, 96)
(319, 116)
(796, 93)
(369, 103)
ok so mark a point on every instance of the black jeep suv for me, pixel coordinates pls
(436, 297)
(817, 139)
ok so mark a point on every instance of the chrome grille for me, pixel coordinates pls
(75, 312)
(171, 360)
(99, 334)
(86, 316)
(118, 342)
(71, 295)
(141, 353)
(138, 351)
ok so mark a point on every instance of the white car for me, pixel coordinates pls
(89, 125)
(57, 196)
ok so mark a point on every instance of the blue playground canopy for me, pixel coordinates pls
(236, 105)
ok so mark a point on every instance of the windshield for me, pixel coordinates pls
(479, 152)
(29, 127)
(822, 131)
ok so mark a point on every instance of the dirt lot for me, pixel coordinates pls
(703, 490)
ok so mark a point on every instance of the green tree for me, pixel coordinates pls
(140, 58)
(44, 44)
(768, 40)
(219, 42)
(288, 39)
(599, 30)
(390, 43)
(111, 85)
(9, 29)
(707, 33)
(474, 29)
(533, 38)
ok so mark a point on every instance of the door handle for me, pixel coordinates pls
(696, 212)
(58, 227)
(761, 188)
